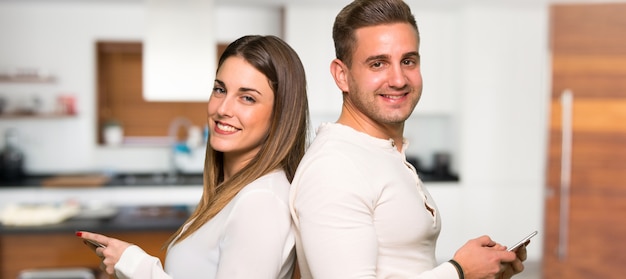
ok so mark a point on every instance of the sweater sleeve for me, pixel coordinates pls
(136, 263)
(443, 271)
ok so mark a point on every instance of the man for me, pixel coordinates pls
(359, 207)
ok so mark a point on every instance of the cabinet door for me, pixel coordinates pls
(586, 177)
(64, 250)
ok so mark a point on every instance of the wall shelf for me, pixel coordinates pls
(14, 116)
(27, 79)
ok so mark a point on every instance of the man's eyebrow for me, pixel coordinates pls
(376, 57)
(412, 54)
(386, 57)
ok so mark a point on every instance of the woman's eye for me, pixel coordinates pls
(248, 99)
(218, 90)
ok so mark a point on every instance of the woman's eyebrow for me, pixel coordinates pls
(221, 83)
(247, 89)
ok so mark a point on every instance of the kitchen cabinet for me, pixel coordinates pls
(119, 97)
(56, 246)
(64, 250)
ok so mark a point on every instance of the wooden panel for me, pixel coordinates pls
(577, 64)
(58, 250)
(588, 28)
(598, 161)
(597, 201)
(596, 250)
(589, 58)
(599, 115)
(605, 86)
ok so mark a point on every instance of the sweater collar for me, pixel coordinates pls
(351, 132)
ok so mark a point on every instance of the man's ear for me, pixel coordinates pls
(339, 72)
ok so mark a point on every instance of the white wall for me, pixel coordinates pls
(503, 116)
(486, 78)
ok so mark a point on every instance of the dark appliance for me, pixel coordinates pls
(11, 158)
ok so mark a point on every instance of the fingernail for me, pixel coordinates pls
(79, 233)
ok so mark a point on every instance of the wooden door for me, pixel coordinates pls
(585, 230)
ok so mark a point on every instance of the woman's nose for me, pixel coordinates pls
(225, 107)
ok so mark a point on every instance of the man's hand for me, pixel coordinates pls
(517, 265)
(483, 258)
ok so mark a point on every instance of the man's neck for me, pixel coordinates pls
(372, 128)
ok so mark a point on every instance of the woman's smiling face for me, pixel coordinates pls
(239, 110)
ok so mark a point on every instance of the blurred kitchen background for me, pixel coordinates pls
(82, 121)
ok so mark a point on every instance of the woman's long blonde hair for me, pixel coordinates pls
(287, 136)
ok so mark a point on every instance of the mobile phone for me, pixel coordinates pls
(95, 244)
(521, 242)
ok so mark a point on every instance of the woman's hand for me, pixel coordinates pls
(110, 251)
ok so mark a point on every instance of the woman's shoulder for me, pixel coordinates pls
(275, 182)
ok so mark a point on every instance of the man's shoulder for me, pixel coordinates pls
(329, 153)
(333, 136)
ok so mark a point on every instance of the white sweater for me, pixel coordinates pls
(361, 211)
(252, 237)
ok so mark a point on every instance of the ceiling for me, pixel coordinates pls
(342, 3)
(412, 2)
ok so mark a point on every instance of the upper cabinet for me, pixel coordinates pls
(180, 39)
(179, 50)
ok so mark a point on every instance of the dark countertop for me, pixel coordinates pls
(118, 180)
(132, 218)
(159, 179)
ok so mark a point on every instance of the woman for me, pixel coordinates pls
(258, 119)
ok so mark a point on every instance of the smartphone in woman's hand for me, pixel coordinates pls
(93, 244)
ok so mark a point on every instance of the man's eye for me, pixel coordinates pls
(408, 62)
